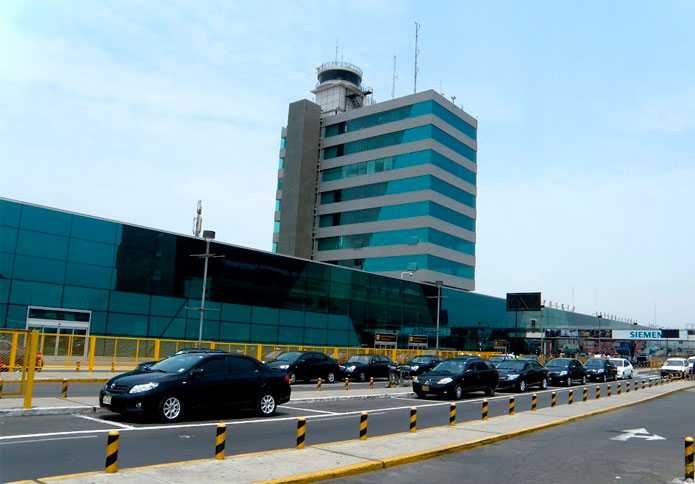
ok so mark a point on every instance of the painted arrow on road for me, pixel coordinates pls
(637, 434)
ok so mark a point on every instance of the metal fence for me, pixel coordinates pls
(14, 361)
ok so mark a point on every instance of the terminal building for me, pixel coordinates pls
(388, 188)
(67, 273)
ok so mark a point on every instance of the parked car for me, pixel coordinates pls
(6, 355)
(674, 366)
(691, 361)
(522, 373)
(306, 365)
(364, 367)
(566, 371)
(175, 385)
(497, 359)
(625, 368)
(456, 376)
(420, 365)
(601, 369)
(183, 351)
(639, 361)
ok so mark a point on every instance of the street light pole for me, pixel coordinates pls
(439, 310)
(599, 333)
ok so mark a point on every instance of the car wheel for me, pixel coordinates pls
(569, 381)
(544, 384)
(330, 378)
(170, 409)
(362, 376)
(266, 405)
(489, 391)
(292, 376)
(458, 392)
(420, 394)
(521, 386)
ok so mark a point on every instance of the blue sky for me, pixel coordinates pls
(135, 110)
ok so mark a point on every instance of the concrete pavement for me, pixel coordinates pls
(340, 459)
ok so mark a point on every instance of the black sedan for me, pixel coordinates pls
(306, 365)
(522, 373)
(173, 386)
(566, 370)
(456, 376)
(419, 365)
(364, 367)
(601, 369)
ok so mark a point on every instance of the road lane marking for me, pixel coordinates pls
(309, 410)
(117, 424)
(46, 440)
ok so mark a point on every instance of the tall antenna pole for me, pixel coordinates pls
(417, 51)
(198, 220)
(395, 76)
(336, 50)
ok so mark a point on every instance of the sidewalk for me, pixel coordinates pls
(327, 461)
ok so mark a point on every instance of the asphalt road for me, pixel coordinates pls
(57, 445)
(591, 451)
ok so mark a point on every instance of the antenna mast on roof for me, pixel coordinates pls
(395, 76)
(198, 219)
(417, 51)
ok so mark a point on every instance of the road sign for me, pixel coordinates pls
(417, 340)
(637, 434)
(385, 339)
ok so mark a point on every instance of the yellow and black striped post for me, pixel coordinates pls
(620, 388)
(112, 452)
(485, 409)
(413, 419)
(371, 383)
(643, 384)
(452, 414)
(609, 390)
(363, 425)
(689, 448)
(77, 367)
(511, 405)
(553, 399)
(585, 394)
(113, 366)
(651, 382)
(598, 392)
(220, 439)
(570, 397)
(534, 402)
(636, 385)
(64, 390)
(347, 383)
(318, 385)
(301, 432)
(627, 387)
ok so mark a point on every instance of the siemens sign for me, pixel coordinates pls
(651, 335)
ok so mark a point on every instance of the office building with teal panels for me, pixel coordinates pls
(63, 272)
(384, 187)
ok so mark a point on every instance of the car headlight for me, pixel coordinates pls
(145, 387)
(563, 372)
(599, 371)
(415, 379)
(513, 376)
(283, 367)
(414, 368)
(350, 368)
(446, 380)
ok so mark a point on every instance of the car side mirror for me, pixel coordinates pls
(198, 372)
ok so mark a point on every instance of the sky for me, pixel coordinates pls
(135, 110)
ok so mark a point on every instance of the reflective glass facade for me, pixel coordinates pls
(142, 282)
(397, 237)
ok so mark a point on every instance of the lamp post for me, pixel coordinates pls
(599, 333)
(439, 310)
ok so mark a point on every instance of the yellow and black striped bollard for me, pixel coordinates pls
(570, 397)
(363, 425)
(347, 383)
(77, 367)
(609, 390)
(598, 392)
(413, 419)
(301, 432)
(220, 439)
(553, 399)
(318, 385)
(113, 366)
(112, 452)
(620, 388)
(485, 409)
(651, 382)
(585, 394)
(511, 405)
(534, 402)
(452, 414)
(636, 386)
(64, 390)
(689, 449)
(371, 383)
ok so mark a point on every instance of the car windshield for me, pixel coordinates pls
(515, 365)
(421, 359)
(557, 363)
(674, 362)
(178, 364)
(594, 364)
(291, 356)
(451, 366)
(359, 359)
(618, 362)
(498, 358)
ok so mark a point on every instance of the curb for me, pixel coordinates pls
(349, 397)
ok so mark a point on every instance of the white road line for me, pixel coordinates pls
(46, 440)
(309, 410)
(117, 424)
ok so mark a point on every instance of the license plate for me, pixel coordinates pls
(425, 388)
(106, 400)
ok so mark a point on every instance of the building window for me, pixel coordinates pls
(277, 205)
(276, 228)
(281, 163)
(283, 142)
